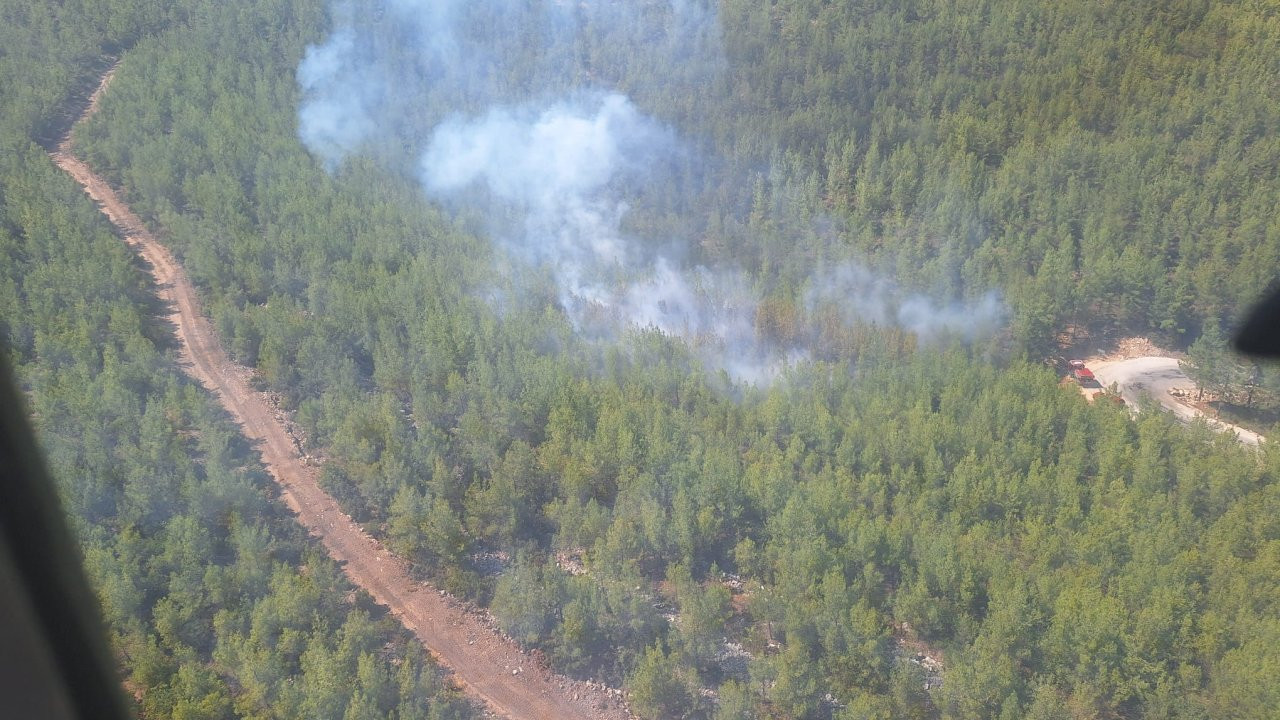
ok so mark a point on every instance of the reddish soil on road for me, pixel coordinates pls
(485, 664)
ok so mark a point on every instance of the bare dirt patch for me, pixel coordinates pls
(910, 647)
(1135, 367)
(1136, 347)
(1160, 377)
(1113, 350)
(487, 665)
(1102, 352)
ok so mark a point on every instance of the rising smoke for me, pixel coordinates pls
(511, 108)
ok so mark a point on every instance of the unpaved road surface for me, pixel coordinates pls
(1156, 376)
(485, 664)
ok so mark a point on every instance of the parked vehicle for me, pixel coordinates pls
(1082, 374)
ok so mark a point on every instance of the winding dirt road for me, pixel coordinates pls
(484, 663)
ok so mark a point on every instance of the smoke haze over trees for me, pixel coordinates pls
(1105, 165)
(514, 109)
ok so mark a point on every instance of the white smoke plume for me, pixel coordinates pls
(863, 297)
(559, 167)
(335, 119)
(506, 111)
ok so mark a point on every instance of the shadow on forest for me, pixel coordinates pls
(1258, 419)
(56, 128)
(158, 324)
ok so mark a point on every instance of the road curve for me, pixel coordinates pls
(1156, 376)
(486, 665)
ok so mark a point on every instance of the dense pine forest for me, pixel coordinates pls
(218, 605)
(893, 528)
